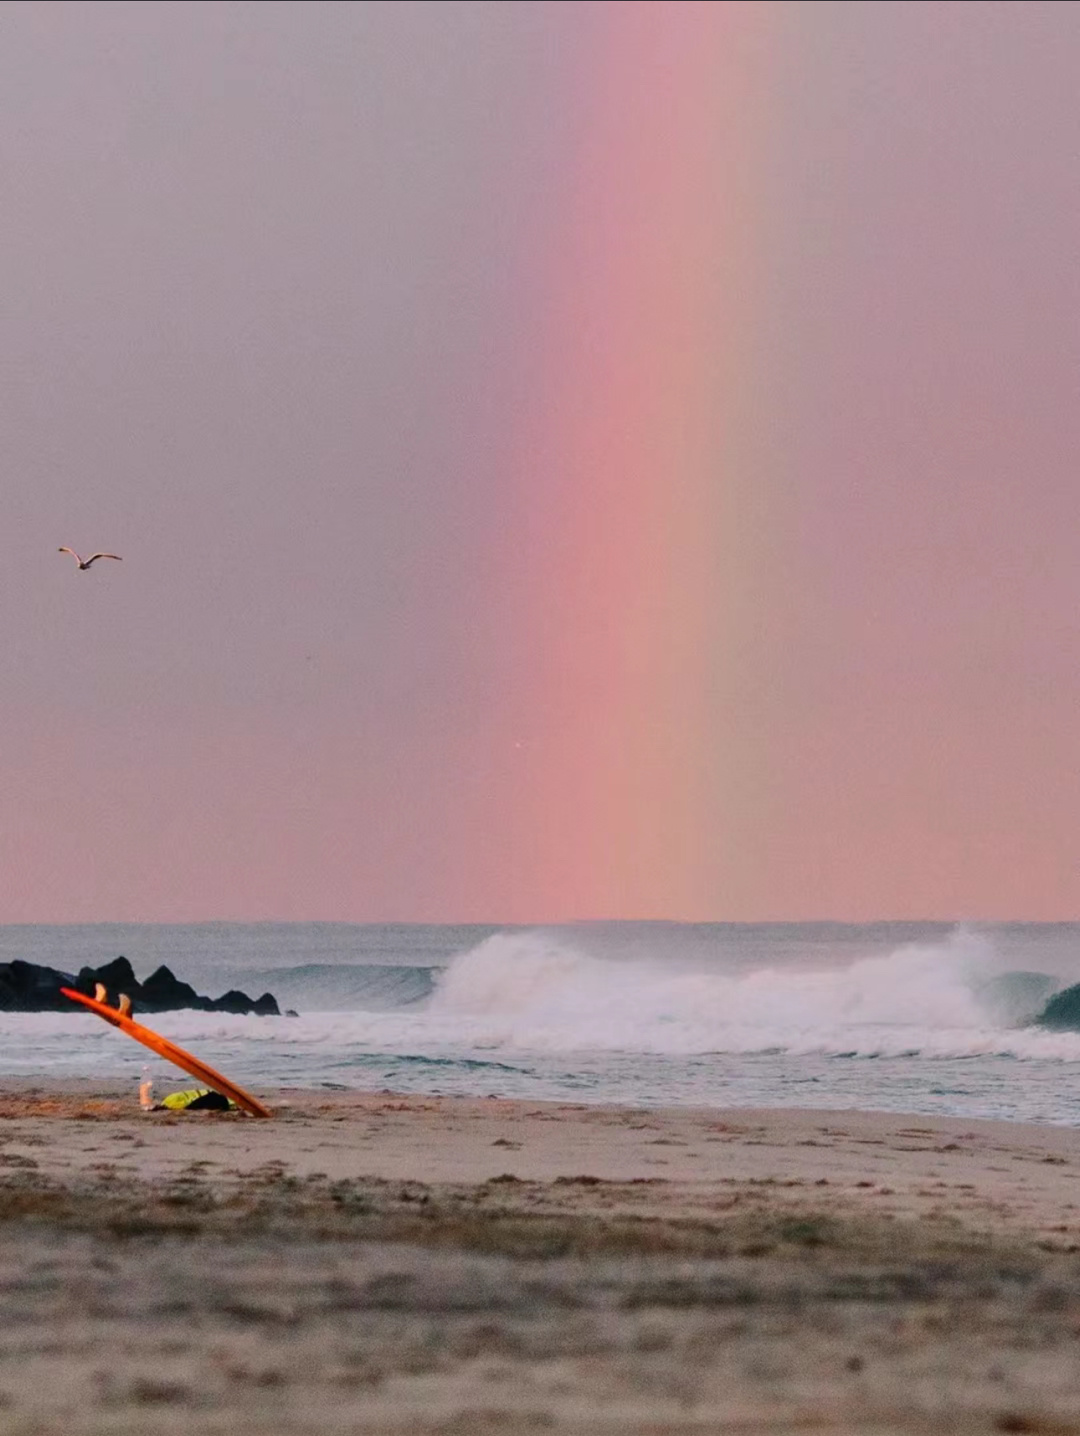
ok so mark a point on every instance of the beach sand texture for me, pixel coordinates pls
(377, 1263)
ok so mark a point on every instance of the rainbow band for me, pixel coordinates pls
(631, 476)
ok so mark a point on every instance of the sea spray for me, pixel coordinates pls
(531, 990)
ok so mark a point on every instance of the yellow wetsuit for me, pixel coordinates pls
(198, 1099)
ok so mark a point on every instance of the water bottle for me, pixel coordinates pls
(146, 1091)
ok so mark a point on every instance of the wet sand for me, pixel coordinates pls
(375, 1263)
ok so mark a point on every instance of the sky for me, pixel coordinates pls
(610, 460)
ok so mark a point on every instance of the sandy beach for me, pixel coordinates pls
(385, 1264)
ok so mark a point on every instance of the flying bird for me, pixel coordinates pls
(85, 563)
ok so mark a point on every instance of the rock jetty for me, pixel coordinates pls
(29, 987)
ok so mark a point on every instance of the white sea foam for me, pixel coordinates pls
(534, 991)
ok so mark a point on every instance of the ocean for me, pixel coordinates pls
(974, 1021)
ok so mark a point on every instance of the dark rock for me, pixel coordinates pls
(115, 976)
(231, 1001)
(168, 993)
(234, 1001)
(28, 987)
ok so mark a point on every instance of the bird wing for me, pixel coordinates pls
(94, 556)
(71, 551)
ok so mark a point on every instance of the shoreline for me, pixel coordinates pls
(1019, 1175)
(380, 1263)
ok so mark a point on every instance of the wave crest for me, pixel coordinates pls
(538, 990)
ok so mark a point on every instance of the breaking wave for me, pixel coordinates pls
(566, 990)
(536, 991)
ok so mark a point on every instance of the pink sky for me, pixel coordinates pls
(273, 279)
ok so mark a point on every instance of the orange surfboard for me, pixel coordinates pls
(169, 1050)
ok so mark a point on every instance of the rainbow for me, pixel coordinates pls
(634, 494)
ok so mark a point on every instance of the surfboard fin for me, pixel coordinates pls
(100, 995)
(123, 1005)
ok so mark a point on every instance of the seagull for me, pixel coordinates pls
(85, 563)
